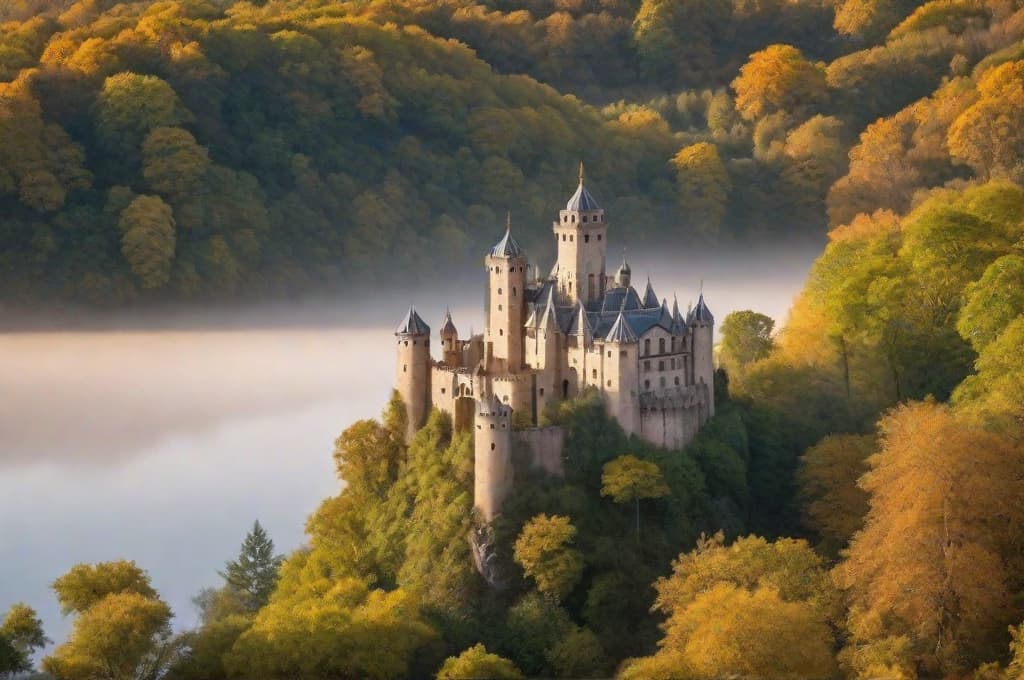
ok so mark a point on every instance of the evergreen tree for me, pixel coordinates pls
(253, 575)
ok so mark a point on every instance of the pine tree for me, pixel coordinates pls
(253, 575)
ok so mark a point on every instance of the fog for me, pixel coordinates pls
(161, 438)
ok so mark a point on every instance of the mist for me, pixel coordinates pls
(160, 437)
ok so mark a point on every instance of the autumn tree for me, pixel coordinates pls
(629, 478)
(544, 550)
(130, 105)
(987, 136)
(21, 634)
(752, 609)
(122, 628)
(833, 504)
(477, 662)
(704, 185)
(172, 161)
(779, 78)
(931, 575)
(148, 239)
(994, 395)
(992, 302)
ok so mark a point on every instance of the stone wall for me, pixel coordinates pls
(545, 445)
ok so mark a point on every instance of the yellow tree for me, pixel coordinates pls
(930, 577)
(477, 662)
(833, 504)
(544, 550)
(172, 161)
(779, 79)
(148, 239)
(989, 135)
(628, 478)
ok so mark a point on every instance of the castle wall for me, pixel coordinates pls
(545, 445)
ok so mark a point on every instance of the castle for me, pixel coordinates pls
(549, 338)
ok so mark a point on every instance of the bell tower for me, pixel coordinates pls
(581, 236)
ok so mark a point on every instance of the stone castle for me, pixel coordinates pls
(551, 337)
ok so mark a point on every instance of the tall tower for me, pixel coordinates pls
(452, 352)
(581, 236)
(412, 375)
(703, 324)
(492, 457)
(506, 302)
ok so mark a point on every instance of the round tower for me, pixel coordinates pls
(450, 348)
(702, 323)
(412, 369)
(506, 303)
(492, 448)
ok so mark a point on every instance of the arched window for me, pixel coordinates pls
(677, 380)
(661, 341)
(647, 384)
(501, 332)
(570, 238)
(574, 219)
(499, 291)
(513, 291)
(405, 368)
(647, 346)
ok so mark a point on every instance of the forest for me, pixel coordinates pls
(855, 509)
(196, 150)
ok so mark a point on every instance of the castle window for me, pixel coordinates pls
(677, 380)
(586, 238)
(479, 427)
(609, 354)
(662, 381)
(661, 365)
(661, 342)
(595, 374)
(647, 384)
(598, 237)
(405, 368)
(505, 399)
(574, 219)
(513, 291)
(673, 345)
(492, 426)
(442, 390)
(570, 238)
(499, 291)
(499, 308)
(542, 391)
(406, 343)
(415, 342)
(492, 445)
(584, 218)
(564, 237)
(609, 383)
(501, 332)
(647, 346)
(565, 219)
(623, 353)
(647, 366)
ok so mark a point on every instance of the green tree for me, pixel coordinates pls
(544, 550)
(172, 161)
(703, 184)
(746, 338)
(86, 584)
(992, 302)
(477, 662)
(629, 478)
(253, 574)
(833, 504)
(148, 240)
(131, 105)
(21, 634)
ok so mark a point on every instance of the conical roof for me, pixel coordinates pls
(447, 325)
(583, 327)
(412, 324)
(620, 331)
(650, 299)
(582, 199)
(508, 246)
(701, 312)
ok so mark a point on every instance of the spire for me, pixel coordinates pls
(622, 276)
(412, 324)
(620, 331)
(583, 328)
(447, 325)
(549, 316)
(701, 312)
(581, 173)
(650, 299)
(507, 246)
(582, 199)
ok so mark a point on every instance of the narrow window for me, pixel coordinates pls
(595, 374)
(499, 308)
(492, 427)
(584, 218)
(492, 445)
(542, 391)
(661, 365)
(647, 346)
(609, 383)
(647, 384)
(501, 332)
(598, 237)
(499, 291)
(661, 341)
(609, 354)
(405, 368)
(661, 381)
(442, 390)
(586, 238)
(574, 219)
(677, 380)
(570, 238)
(513, 291)
(564, 238)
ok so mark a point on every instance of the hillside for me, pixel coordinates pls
(156, 151)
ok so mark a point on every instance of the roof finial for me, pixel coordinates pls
(581, 172)
(508, 221)
(702, 286)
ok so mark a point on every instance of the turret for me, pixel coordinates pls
(452, 352)
(621, 374)
(581, 238)
(412, 378)
(506, 302)
(624, 274)
(492, 454)
(702, 324)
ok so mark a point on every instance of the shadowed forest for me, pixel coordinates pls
(855, 509)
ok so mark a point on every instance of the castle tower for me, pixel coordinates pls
(581, 237)
(452, 352)
(506, 302)
(492, 457)
(621, 373)
(702, 322)
(412, 377)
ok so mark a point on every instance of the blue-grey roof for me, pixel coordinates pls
(582, 199)
(620, 331)
(507, 246)
(412, 324)
(620, 298)
(447, 325)
(650, 299)
(701, 312)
